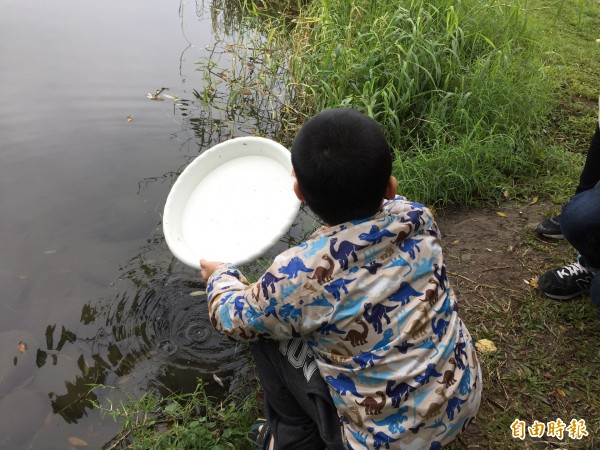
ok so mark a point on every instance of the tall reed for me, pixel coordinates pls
(456, 86)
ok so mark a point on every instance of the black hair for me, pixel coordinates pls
(342, 162)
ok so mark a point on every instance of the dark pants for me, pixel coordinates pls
(580, 225)
(591, 170)
(298, 407)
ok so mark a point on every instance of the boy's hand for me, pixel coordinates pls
(208, 267)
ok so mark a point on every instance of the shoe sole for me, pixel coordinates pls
(562, 297)
(552, 236)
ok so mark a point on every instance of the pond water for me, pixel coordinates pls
(90, 292)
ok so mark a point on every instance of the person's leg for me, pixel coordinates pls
(591, 170)
(580, 224)
(590, 176)
(298, 406)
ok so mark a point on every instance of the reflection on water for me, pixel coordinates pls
(91, 286)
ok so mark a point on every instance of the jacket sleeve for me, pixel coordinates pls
(246, 311)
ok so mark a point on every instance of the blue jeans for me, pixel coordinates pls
(580, 225)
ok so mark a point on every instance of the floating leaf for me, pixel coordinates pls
(22, 346)
(501, 214)
(77, 442)
(49, 252)
(486, 346)
(129, 118)
(218, 380)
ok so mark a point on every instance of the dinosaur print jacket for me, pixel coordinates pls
(372, 299)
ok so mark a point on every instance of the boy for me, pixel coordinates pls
(369, 295)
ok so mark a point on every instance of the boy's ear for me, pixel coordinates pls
(392, 188)
(297, 191)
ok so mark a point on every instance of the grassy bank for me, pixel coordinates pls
(465, 91)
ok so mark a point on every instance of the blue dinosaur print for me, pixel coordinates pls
(440, 276)
(352, 308)
(295, 266)
(377, 313)
(344, 251)
(439, 327)
(287, 290)
(459, 351)
(404, 347)
(446, 307)
(429, 372)
(361, 438)
(366, 359)
(393, 421)
(316, 245)
(320, 300)
(384, 343)
(288, 311)
(372, 267)
(409, 246)
(380, 438)
(268, 281)
(335, 286)
(327, 328)
(272, 308)
(342, 384)
(423, 267)
(429, 345)
(238, 307)
(403, 294)
(464, 387)
(398, 393)
(453, 404)
(374, 236)
(414, 217)
(399, 261)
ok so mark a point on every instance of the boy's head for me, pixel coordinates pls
(343, 165)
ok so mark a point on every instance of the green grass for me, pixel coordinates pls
(186, 421)
(459, 88)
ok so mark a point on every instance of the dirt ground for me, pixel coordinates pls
(484, 249)
(547, 354)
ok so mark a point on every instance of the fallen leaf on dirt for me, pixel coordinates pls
(533, 282)
(455, 242)
(197, 293)
(22, 346)
(486, 346)
(501, 214)
(533, 201)
(560, 392)
(506, 194)
(77, 442)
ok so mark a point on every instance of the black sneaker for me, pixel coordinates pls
(550, 228)
(567, 282)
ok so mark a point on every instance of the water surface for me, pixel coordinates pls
(90, 292)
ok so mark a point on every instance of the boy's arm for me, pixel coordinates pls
(241, 310)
